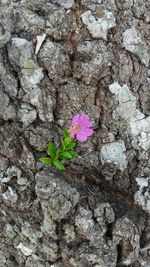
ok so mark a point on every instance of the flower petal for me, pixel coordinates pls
(81, 136)
(89, 132)
(75, 119)
(85, 121)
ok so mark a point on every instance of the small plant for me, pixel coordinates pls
(81, 128)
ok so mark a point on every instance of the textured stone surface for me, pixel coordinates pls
(95, 60)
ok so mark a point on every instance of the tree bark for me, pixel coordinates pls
(60, 58)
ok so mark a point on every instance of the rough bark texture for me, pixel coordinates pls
(94, 59)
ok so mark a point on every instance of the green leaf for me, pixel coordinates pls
(62, 148)
(58, 164)
(71, 145)
(73, 154)
(57, 153)
(66, 155)
(46, 160)
(51, 150)
(67, 141)
(66, 133)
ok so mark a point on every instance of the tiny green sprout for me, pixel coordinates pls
(58, 154)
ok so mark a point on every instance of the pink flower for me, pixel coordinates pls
(81, 127)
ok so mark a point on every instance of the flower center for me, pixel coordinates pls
(76, 127)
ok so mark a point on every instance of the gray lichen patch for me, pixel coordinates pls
(138, 125)
(104, 214)
(132, 42)
(21, 55)
(11, 172)
(98, 26)
(127, 101)
(142, 196)
(49, 226)
(84, 221)
(10, 195)
(114, 153)
(24, 249)
(27, 114)
(70, 234)
(31, 75)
